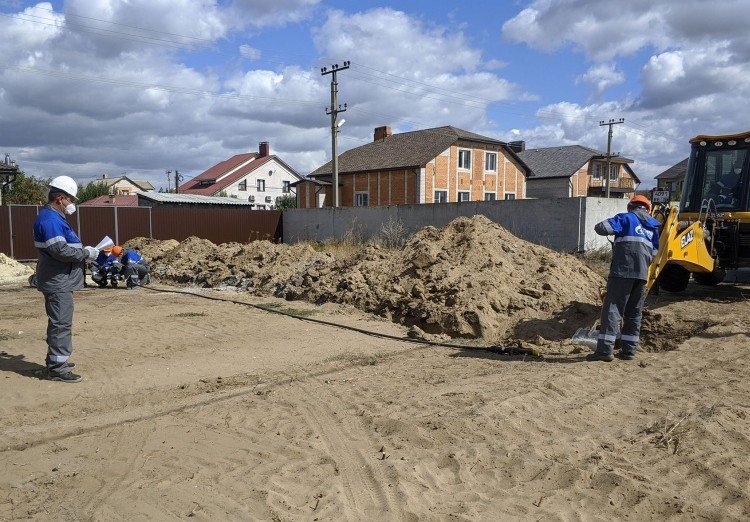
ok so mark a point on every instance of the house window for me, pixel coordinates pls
(463, 196)
(510, 196)
(597, 175)
(613, 171)
(441, 196)
(361, 199)
(243, 185)
(490, 161)
(285, 187)
(489, 196)
(261, 185)
(464, 159)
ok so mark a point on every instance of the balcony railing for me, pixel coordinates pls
(620, 182)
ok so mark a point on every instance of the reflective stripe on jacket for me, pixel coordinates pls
(636, 242)
(61, 254)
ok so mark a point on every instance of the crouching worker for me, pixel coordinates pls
(135, 269)
(101, 268)
(60, 271)
(635, 245)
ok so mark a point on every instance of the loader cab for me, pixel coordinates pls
(719, 171)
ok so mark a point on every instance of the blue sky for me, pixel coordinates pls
(139, 87)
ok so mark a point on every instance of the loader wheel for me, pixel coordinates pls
(710, 278)
(674, 278)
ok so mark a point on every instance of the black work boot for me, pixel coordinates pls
(64, 377)
(625, 356)
(598, 356)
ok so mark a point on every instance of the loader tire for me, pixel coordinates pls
(674, 278)
(710, 278)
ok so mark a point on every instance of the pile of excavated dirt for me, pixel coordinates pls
(11, 270)
(470, 279)
(151, 248)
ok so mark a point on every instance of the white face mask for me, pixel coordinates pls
(70, 209)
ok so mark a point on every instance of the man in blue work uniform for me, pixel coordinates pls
(60, 271)
(101, 268)
(135, 271)
(636, 242)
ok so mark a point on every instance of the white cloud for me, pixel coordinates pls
(424, 75)
(250, 53)
(89, 101)
(693, 82)
(603, 76)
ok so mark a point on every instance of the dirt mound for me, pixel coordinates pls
(151, 249)
(470, 279)
(662, 332)
(12, 270)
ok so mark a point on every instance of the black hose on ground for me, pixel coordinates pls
(495, 349)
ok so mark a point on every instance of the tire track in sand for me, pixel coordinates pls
(369, 493)
(123, 453)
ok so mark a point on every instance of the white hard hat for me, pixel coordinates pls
(66, 184)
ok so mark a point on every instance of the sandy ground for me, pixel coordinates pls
(210, 410)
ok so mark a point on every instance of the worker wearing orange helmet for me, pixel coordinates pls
(636, 242)
(135, 269)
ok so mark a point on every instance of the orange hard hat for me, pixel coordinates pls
(117, 250)
(640, 200)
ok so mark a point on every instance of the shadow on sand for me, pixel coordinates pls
(18, 364)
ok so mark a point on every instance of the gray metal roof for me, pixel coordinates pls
(165, 197)
(404, 150)
(676, 171)
(561, 162)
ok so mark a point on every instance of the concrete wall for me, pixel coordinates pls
(548, 187)
(599, 209)
(563, 224)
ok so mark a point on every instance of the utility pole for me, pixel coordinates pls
(333, 112)
(169, 181)
(609, 149)
(177, 179)
(8, 173)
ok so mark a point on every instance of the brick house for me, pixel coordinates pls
(438, 165)
(255, 177)
(577, 171)
(673, 179)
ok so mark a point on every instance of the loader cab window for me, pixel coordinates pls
(720, 175)
(724, 170)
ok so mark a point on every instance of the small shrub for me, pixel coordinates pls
(392, 233)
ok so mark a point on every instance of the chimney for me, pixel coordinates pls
(517, 146)
(264, 149)
(381, 133)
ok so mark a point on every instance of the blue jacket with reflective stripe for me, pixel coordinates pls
(61, 255)
(131, 256)
(636, 242)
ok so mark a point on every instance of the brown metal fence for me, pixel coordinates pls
(220, 225)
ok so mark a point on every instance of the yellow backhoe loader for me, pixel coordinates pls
(711, 232)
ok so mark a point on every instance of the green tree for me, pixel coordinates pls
(92, 190)
(26, 190)
(286, 202)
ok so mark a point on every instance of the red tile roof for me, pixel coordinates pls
(130, 200)
(194, 187)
